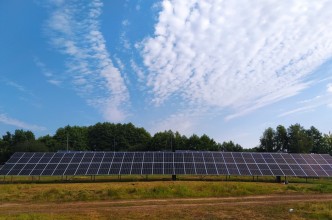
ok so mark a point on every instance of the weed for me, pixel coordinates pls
(112, 194)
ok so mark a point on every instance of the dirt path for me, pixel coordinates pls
(130, 205)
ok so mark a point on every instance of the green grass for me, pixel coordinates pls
(68, 192)
(301, 210)
(50, 191)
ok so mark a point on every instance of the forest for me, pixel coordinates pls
(127, 137)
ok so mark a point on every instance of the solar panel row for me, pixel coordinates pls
(194, 163)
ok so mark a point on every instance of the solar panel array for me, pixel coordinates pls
(173, 163)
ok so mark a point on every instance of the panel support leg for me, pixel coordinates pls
(174, 177)
(278, 179)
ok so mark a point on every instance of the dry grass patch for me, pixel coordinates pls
(68, 192)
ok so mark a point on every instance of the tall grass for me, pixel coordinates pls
(66, 192)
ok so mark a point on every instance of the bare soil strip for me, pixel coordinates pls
(68, 207)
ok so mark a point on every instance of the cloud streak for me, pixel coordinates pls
(323, 100)
(20, 124)
(51, 78)
(236, 55)
(75, 31)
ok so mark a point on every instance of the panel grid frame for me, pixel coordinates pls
(166, 163)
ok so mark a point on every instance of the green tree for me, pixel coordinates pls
(7, 139)
(299, 140)
(267, 141)
(281, 139)
(30, 146)
(162, 141)
(76, 137)
(51, 143)
(317, 140)
(328, 144)
(21, 136)
(101, 136)
(194, 142)
(139, 139)
(5, 144)
(230, 146)
(207, 143)
(117, 137)
(180, 141)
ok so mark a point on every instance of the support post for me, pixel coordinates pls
(174, 177)
(173, 150)
(278, 179)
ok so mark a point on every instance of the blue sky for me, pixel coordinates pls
(228, 69)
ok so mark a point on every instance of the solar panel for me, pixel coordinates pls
(187, 157)
(158, 168)
(136, 168)
(171, 168)
(190, 168)
(170, 157)
(147, 168)
(190, 163)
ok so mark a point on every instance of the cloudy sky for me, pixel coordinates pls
(225, 68)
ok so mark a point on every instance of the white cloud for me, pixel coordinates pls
(309, 105)
(236, 55)
(125, 22)
(329, 87)
(26, 92)
(54, 82)
(20, 124)
(182, 122)
(75, 30)
(307, 108)
(124, 41)
(17, 86)
(51, 77)
(138, 71)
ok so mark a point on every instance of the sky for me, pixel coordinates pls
(225, 68)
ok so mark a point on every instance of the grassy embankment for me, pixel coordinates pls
(96, 191)
(90, 192)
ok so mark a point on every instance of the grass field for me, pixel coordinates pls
(155, 199)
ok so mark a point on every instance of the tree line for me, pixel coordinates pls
(126, 137)
(295, 139)
(107, 137)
